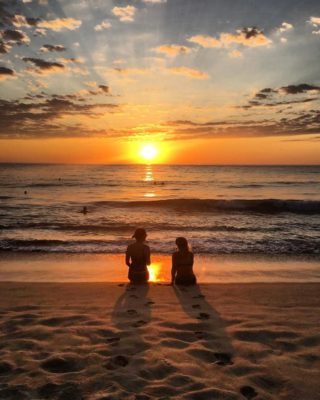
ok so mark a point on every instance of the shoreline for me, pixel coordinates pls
(86, 267)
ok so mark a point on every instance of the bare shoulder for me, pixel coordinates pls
(146, 247)
(131, 246)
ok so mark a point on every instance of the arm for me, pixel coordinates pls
(128, 258)
(173, 269)
(148, 256)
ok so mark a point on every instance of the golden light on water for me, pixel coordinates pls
(155, 273)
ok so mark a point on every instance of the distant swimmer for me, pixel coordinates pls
(84, 210)
(25, 192)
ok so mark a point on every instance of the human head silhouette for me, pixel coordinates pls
(140, 234)
(182, 243)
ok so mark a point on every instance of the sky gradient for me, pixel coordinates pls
(206, 81)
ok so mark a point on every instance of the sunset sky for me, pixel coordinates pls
(204, 81)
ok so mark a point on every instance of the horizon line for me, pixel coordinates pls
(159, 164)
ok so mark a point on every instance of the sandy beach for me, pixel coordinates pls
(113, 341)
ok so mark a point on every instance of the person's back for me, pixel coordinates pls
(138, 257)
(182, 264)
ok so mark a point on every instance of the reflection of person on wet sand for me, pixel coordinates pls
(182, 264)
(138, 257)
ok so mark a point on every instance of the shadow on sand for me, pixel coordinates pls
(210, 328)
(130, 316)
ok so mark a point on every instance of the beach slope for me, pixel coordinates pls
(113, 341)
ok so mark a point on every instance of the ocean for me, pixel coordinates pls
(266, 210)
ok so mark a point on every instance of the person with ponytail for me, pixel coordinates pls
(182, 264)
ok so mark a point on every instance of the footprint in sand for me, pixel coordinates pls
(149, 303)
(62, 365)
(131, 288)
(5, 368)
(132, 312)
(114, 339)
(121, 284)
(139, 323)
(199, 296)
(133, 296)
(248, 392)
(203, 316)
(196, 306)
(200, 335)
(223, 359)
(117, 361)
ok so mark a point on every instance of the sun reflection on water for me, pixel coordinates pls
(156, 273)
(148, 177)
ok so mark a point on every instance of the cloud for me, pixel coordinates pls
(19, 21)
(129, 71)
(14, 36)
(172, 50)
(269, 97)
(315, 22)
(301, 88)
(103, 25)
(249, 37)
(44, 67)
(52, 47)
(154, 1)
(60, 23)
(125, 14)
(285, 26)
(188, 72)
(235, 54)
(69, 60)
(104, 88)
(205, 41)
(306, 123)
(6, 73)
(43, 116)
(4, 47)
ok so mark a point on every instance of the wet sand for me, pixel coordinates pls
(102, 341)
(97, 267)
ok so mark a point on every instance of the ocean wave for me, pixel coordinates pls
(117, 228)
(266, 206)
(216, 245)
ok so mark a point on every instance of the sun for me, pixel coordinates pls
(148, 152)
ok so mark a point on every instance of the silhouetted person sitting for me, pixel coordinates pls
(138, 257)
(182, 264)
